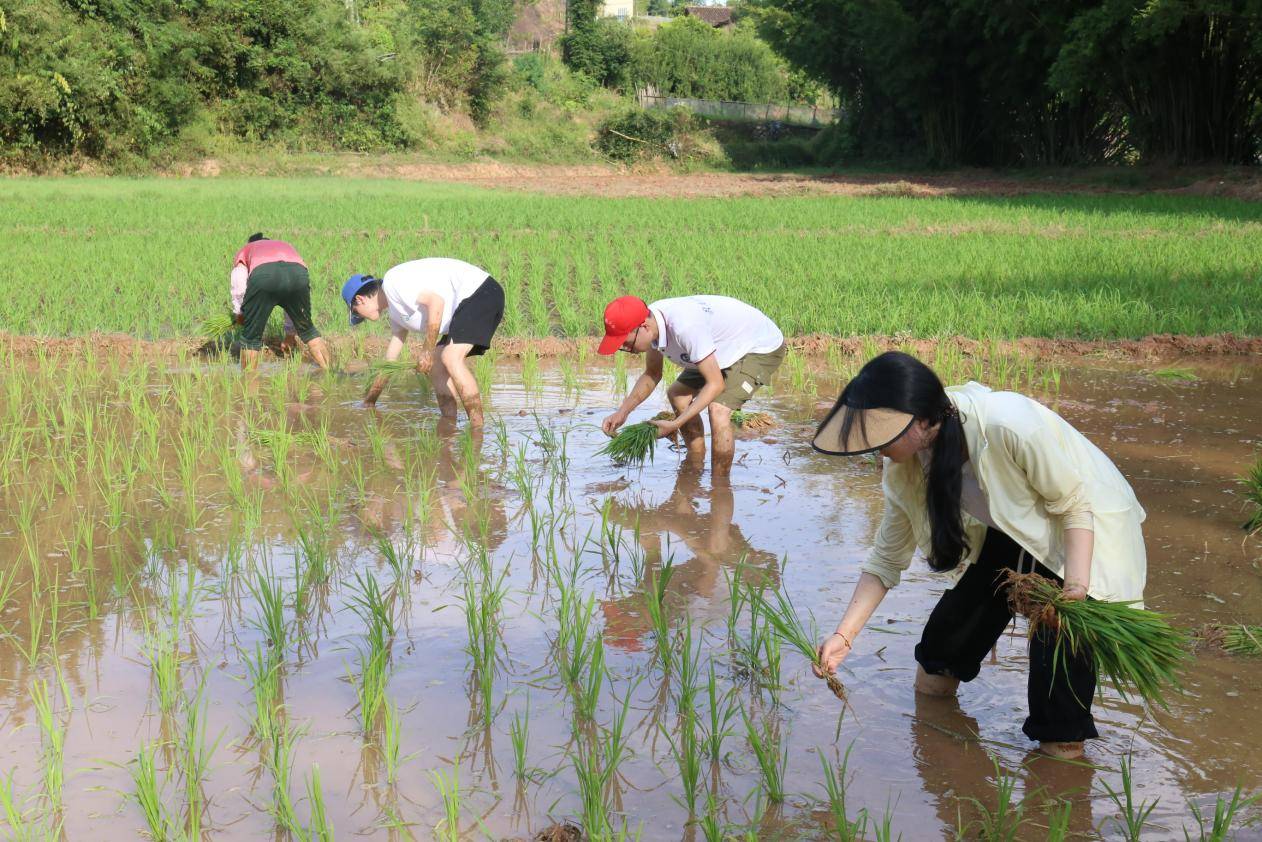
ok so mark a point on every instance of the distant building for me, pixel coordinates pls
(720, 17)
(621, 9)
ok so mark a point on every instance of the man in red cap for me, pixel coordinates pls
(727, 348)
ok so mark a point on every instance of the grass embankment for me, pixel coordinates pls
(151, 257)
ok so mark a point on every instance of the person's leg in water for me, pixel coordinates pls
(722, 440)
(296, 302)
(693, 432)
(454, 359)
(444, 389)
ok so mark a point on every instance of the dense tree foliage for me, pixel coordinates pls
(974, 81)
(118, 78)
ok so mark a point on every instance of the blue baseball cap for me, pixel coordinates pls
(354, 284)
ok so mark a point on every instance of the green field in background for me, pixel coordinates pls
(151, 257)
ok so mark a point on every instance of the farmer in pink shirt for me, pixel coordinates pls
(266, 274)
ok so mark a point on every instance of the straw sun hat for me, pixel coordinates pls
(868, 429)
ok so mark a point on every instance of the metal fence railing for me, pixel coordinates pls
(793, 115)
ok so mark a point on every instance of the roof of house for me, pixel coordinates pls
(713, 15)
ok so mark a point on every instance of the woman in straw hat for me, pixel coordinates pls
(982, 482)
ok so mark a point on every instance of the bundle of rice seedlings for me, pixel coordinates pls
(219, 326)
(784, 619)
(1135, 649)
(1235, 639)
(1253, 493)
(390, 367)
(667, 415)
(633, 445)
(753, 421)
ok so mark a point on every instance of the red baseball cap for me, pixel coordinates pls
(622, 316)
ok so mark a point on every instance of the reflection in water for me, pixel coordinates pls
(715, 542)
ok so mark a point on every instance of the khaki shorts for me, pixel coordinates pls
(741, 379)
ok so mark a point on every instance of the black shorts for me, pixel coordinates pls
(477, 318)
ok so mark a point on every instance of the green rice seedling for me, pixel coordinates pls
(655, 607)
(150, 795)
(448, 786)
(1179, 373)
(195, 752)
(1253, 497)
(686, 749)
(1004, 822)
(320, 829)
(632, 446)
(783, 618)
(161, 650)
(374, 674)
(721, 709)
(1058, 821)
(1242, 640)
(884, 831)
(1225, 813)
(771, 755)
(264, 673)
(390, 742)
(52, 728)
(23, 826)
(596, 762)
(269, 597)
(1136, 649)
(519, 736)
(845, 829)
(280, 762)
(1133, 815)
(390, 368)
(587, 692)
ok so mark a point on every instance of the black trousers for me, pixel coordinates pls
(276, 284)
(966, 623)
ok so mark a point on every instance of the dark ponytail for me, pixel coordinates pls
(901, 382)
(942, 492)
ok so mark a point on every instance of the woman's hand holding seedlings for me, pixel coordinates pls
(831, 653)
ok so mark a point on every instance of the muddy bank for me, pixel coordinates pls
(1154, 348)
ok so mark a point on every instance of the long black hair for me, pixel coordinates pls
(901, 382)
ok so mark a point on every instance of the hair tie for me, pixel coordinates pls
(951, 411)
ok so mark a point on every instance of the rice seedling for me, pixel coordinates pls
(389, 368)
(269, 598)
(448, 786)
(632, 446)
(1253, 497)
(263, 671)
(783, 618)
(390, 743)
(519, 736)
(52, 728)
(655, 607)
(712, 829)
(721, 709)
(149, 793)
(195, 753)
(161, 649)
(320, 829)
(1004, 822)
(22, 825)
(687, 751)
(596, 761)
(1058, 821)
(280, 762)
(1225, 813)
(1130, 824)
(1242, 640)
(1136, 649)
(771, 755)
(845, 829)
(374, 674)
(1179, 373)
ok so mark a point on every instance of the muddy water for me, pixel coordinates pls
(792, 518)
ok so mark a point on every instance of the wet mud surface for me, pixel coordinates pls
(530, 498)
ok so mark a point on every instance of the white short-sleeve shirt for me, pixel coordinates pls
(694, 327)
(451, 280)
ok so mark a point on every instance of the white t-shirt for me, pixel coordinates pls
(451, 280)
(692, 328)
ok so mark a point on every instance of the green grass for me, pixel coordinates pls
(1099, 266)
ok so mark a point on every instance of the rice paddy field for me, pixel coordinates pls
(150, 257)
(241, 607)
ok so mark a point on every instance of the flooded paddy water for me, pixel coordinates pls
(253, 608)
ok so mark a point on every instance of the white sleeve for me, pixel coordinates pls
(238, 280)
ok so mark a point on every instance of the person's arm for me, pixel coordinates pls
(1079, 547)
(434, 308)
(238, 281)
(709, 368)
(397, 338)
(892, 550)
(639, 393)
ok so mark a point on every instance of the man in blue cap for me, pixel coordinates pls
(458, 308)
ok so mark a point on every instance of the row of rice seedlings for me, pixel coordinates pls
(1136, 649)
